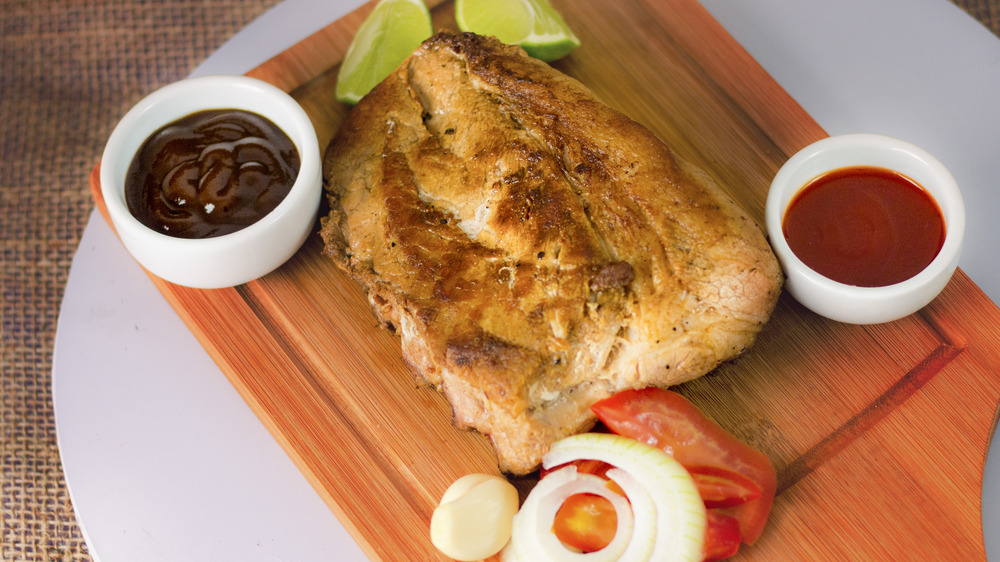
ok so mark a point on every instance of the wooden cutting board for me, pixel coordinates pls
(878, 433)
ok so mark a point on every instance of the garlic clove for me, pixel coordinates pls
(474, 518)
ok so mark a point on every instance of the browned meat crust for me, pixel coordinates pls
(535, 249)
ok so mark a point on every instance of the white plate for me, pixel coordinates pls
(163, 459)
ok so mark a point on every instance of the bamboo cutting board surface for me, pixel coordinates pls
(878, 433)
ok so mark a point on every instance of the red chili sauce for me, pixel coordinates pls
(864, 226)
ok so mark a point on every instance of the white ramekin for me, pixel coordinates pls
(865, 305)
(234, 258)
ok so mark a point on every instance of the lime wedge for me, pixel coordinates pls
(393, 30)
(533, 24)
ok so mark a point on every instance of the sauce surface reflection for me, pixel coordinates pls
(211, 173)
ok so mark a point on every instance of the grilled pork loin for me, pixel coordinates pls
(535, 250)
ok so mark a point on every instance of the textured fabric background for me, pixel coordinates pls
(69, 69)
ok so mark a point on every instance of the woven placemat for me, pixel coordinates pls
(986, 11)
(69, 69)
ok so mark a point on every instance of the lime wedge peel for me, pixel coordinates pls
(393, 30)
(535, 25)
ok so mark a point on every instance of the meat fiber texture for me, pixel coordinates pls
(535, 250)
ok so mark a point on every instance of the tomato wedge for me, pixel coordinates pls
(722, 536)
(597, 468)
(667, 420)
(720, 487)
(586, 522)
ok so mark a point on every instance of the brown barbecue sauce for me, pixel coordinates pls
(210, 173)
